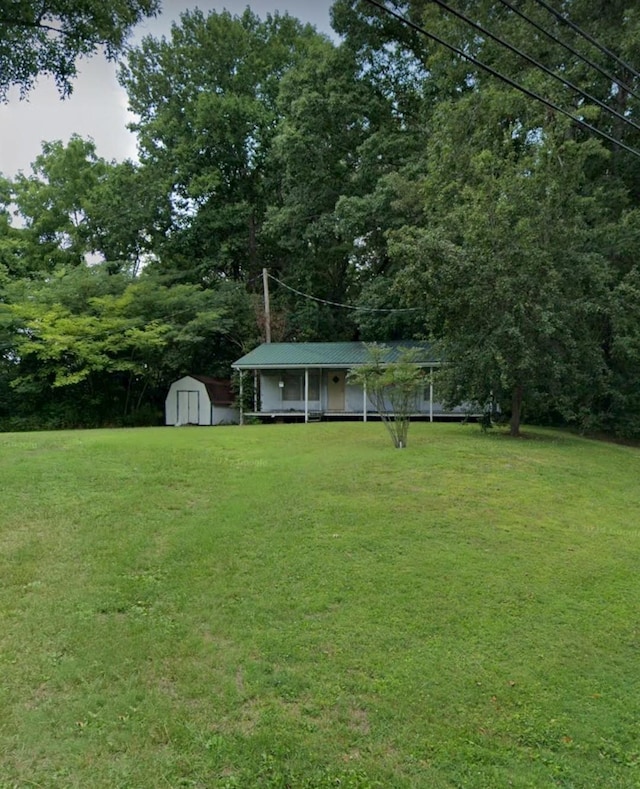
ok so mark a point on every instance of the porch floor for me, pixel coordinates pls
(350, 416)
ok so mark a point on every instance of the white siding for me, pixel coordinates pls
(187, 403)
(224, 416)
(271, 396)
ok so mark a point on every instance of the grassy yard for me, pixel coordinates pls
(304, 606)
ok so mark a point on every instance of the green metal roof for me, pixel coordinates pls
(283, 355)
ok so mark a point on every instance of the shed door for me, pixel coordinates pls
(188, 407)
(335, 390)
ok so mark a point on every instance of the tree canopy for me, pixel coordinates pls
(392, 389)
(383, 172)
(48, 36)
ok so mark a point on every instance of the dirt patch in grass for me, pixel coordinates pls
(359, 720)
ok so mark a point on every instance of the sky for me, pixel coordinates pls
(98, 106)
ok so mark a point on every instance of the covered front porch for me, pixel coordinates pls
(311, 394)
(309, 381)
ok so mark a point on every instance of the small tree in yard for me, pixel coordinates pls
(392, 388)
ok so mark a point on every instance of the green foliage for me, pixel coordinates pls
(47, 38)
(508, 227)
(328, 114)
(110, 342)
(205, 132)
(623, 401)
(16, 258)
(392, 389)
(383, 171)
(53, 202)
(74, 205)
(376, 325)
(128, 216)
(509, 272)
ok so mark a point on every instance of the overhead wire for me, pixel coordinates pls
(504, 78)
(565, 20)
(338, 304)
(581, 56)
(525, 56)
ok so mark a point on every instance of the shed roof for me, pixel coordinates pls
(283, 355)
(219, 390)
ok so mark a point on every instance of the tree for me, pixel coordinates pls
(392, 389)
(128, 215)
(509, 279)
(53, 201)
(325, 116)
(75, 204)
(339, 132)
(207, 106)
(514, 258)
(16, 259)
(93, 347)
(47, 36)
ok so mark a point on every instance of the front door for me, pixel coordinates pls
(335, 390)
(188, 407)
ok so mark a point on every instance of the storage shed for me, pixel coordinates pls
(200, 400)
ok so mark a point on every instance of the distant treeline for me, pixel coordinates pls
(381, 171)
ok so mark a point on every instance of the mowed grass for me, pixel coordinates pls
(305, 606)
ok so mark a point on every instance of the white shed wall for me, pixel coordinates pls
(187, 402)
(221, 415)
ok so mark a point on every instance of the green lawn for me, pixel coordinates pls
(305, 606)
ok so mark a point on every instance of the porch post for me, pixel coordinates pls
(306, 394)
(431, 394)
(364, 401)
(255, 391)
(242, 397)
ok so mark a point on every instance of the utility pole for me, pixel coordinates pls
(267, 307)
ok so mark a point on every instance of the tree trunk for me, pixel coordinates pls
(516, 407)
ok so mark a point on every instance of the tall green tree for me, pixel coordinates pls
(327, 115)
(514, 258)
(88, 346)
(513, 285)
(53, 201)
(128, 216)
(15, 242)
(206, 99)
(47, 36)
(74, 204)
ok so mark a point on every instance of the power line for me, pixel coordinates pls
(569, 48)
(504, 78)
(338, 304)
(566, 21)
(517, 51)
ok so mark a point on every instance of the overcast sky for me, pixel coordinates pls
(98, 105)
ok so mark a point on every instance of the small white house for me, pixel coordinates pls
(200, 400)
(309, 380)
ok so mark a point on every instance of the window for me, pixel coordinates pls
(428, 382)
(293, 385)
(293, 389)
